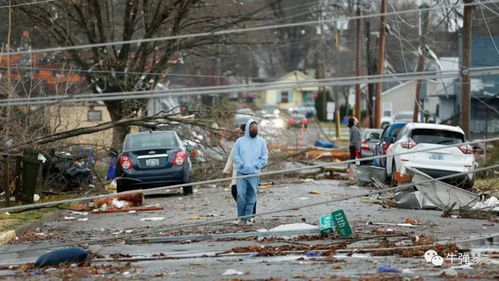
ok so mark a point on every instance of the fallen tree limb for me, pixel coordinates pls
(145, 121)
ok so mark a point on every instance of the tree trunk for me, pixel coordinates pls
(119, 132)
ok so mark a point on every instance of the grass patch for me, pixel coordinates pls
(13, 220)
(490, 185)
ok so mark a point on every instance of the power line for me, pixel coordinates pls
(488, 29)
(113, 72)
(27, 4)
(226, 89)
(230, 31)
(488, 8)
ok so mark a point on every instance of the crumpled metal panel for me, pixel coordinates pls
(433, 195)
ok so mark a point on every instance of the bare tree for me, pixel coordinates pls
(74, 22)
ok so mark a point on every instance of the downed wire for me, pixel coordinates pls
(192, 225)
(151, 190)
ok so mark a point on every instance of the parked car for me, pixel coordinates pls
(153, 159)
(388, 137)
(404, 116)
(270, 125)
(307, 109)
(440, 162)
(297, 120)
(270, 109)
(370, 137)
(242, 116)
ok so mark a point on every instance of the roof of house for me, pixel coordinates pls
(297, 75)
(403, 85)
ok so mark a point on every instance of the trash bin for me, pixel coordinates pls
(113, 160)
(30, 170)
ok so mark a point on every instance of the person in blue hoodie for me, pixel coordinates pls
(250, 156)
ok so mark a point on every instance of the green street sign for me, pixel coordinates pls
(341, 222)
(326, 224)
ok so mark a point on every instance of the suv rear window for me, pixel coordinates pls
(436, 136)
(149, 141)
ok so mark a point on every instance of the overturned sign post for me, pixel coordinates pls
(338, 221)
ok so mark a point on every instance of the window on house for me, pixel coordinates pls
(285, 97)
(94, 115)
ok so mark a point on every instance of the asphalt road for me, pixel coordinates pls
(210, 259)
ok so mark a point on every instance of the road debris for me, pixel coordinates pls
(432, 195)
(193, 218)
(152, 219)
(128, 210)
(387, 269)
(120, 201)
(231, 272)
(63, 256)
(491, 204)
(412, 221)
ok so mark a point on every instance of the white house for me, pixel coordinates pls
(288, 97)
(402, 97)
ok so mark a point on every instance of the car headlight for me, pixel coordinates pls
(277, 111)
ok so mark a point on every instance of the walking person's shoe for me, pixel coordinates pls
(250, 222)
(237, 222)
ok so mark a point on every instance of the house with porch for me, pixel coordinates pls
(288, 97)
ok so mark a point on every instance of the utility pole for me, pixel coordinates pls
(370, 71)
(381, 64)
(9, 96)
(465, 78)
(424, 23)
(320, 68)
(357, 61)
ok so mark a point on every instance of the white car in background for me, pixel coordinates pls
(436, 163)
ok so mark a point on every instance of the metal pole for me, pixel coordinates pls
(370, 86)
(381, 60)
(9, 95)
(465, 78)
(357, 62)
(424, 24)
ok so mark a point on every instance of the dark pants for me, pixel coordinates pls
(354, 153)
(233, 190)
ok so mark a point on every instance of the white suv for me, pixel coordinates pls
(440, 162)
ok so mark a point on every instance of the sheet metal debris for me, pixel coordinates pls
(433, 195)
(367, 174)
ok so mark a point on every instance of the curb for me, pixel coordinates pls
(8, 235)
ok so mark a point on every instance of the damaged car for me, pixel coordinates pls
(443, 161)
(153, 159)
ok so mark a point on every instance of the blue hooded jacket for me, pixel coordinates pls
(250, 154)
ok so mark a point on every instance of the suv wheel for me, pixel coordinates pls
(468, 184)
(394, 170)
